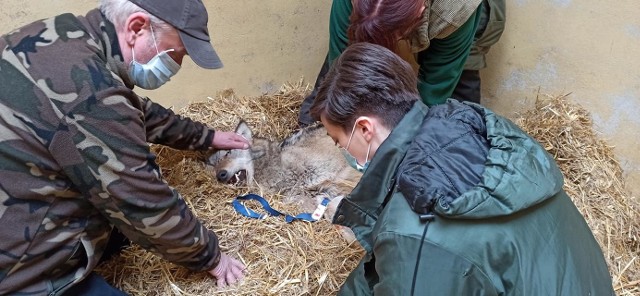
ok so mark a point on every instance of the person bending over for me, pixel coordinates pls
(445, 41)
(75, 163)
(454, 199)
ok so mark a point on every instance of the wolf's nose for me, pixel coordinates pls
(222, 176)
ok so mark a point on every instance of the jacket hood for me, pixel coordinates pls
(483, 165)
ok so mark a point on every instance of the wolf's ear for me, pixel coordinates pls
(244, 130)
(259, 148)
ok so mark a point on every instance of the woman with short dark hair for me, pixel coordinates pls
(454, 199)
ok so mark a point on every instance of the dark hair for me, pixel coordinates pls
(384, 22)
(366, 80)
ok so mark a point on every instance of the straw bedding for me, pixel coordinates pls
(594, 180)
(311, 258)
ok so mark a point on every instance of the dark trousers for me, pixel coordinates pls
(117, 242)
(304, 117)
(93, 285)
(468, 88)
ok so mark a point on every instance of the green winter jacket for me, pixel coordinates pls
(466, 203)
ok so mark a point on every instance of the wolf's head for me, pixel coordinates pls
(236, 166)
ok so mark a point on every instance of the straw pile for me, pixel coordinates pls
(312, 259)
(594, 180)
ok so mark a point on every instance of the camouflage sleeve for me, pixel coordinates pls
(101, 145)
(164, 127)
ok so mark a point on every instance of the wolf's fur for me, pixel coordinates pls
(304, 168)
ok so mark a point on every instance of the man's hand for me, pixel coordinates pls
(229, 140)
(228, 271)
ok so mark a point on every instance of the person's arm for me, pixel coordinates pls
(164, 127)
(441, 64)
(438, 272)
(338, 25)
(103, 151)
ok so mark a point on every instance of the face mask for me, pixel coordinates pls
(156, 72)
(353, 162)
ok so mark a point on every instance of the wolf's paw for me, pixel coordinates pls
(346, 233)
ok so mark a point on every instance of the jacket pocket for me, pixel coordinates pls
(69, 270)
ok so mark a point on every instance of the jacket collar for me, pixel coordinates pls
(440, 19)
(360, 209)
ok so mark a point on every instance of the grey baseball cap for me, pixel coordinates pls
(190, 18)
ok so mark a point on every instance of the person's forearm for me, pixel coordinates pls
(164, 127)
(104, 153)
(338, 26)
(441, 64)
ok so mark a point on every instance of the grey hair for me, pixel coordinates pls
(117, 12)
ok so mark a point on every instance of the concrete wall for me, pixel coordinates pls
(550, 46)
(585, 48)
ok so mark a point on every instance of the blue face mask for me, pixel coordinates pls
(353, 162)
(156, 72)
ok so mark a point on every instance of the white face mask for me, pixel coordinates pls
(353, 162)
(156, 72)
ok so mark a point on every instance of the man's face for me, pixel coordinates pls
(166, 38)
(138, 34)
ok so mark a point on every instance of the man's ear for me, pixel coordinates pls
(135, 26)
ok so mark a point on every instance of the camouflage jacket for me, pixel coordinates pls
(75, 159)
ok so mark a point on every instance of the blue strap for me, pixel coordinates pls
(247, 212)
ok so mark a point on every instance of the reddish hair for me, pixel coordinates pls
(384, 22)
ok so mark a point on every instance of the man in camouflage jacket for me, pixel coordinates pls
(74, 153)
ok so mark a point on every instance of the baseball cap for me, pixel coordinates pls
(190, 18)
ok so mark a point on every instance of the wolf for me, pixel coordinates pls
(304, 168)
